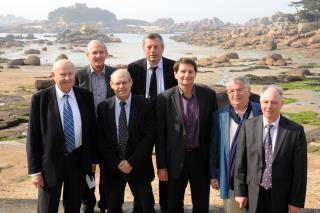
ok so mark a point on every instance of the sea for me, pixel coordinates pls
(128, 50)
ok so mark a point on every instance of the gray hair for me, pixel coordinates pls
(153, 36)
(95, 42)
(237, 79)
(122, 71)
(279, 91)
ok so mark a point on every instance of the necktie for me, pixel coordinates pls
(267, 173)
(123, 131)
(68, 126)
(153, 84)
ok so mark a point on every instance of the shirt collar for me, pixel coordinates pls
(60, 93)
(275, 123)
(160, 64)
(193, 93)
(93, 71)
(127, 101)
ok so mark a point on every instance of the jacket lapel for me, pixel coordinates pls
(166, 72)
(144, 75)
(282, 131)
(112, 117)
(175, 98)
(259, 138)
(54, 108)
(133, 113)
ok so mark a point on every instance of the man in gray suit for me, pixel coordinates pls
(271, 160)
(95, 78)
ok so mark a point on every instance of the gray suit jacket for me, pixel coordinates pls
(289, 167)
(83, 79)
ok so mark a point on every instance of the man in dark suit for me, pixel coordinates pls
(271, 160)
(143, 75)
(59, 152)
(95, 77)
(182, 147)
(125, 134)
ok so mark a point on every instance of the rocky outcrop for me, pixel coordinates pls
(84, 36)
(32, 60)
(274, 59)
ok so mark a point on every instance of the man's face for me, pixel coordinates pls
(185, 75)
(153, 50)
(64, 76)
(238, 94)
(121, 85)
(271, 104)
(97, 54)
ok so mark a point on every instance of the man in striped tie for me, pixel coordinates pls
(61, 128)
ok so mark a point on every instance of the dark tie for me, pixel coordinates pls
(153, 84)
(68, 126)
(267, 173)
(123, 131)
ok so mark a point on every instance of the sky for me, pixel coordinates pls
(235, 11)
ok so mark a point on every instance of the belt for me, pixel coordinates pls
(192, 149)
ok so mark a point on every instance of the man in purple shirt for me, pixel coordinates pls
(183, 137)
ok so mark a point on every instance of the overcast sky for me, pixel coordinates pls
(235, 11)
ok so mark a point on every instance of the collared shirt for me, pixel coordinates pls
(118, 110)
(160, 80)
(75, 112)
(190, 113)
(233, 126)
(273, 131)
(98, 86)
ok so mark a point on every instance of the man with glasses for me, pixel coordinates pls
(226, 124)
(125, 138)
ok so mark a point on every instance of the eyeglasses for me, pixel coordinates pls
(239, 91)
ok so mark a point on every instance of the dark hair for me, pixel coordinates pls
(153, 36)
(184, 60)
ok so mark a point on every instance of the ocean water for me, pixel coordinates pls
(130, 49)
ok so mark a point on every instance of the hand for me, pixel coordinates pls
(242, 201)
(125, 167)
(293, 209)
(37, 181)
(163, 174)
(214, 184)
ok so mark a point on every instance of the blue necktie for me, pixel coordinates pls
(267, 173)
(68, 126)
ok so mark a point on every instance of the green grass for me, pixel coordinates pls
(289, 100)
(313, 85)
(4, 60)
(304, 117)
(310, 65)
(313, 149)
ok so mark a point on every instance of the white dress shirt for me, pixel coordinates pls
(118, 110)
(75, 112)
(160, 80)
(273, 130)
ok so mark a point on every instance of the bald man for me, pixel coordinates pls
(271, 160)
(59, 151)
(125, 142)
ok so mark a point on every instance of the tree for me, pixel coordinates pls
(312, 6)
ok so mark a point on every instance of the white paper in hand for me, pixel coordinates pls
(90, 183)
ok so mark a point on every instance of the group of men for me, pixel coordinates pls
(100, 115)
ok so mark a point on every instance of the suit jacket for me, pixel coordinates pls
(289, 167)
(138, 72)
(45, 142)
(83, 79)
(172, 135)
(220, 146)
(139, 145)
